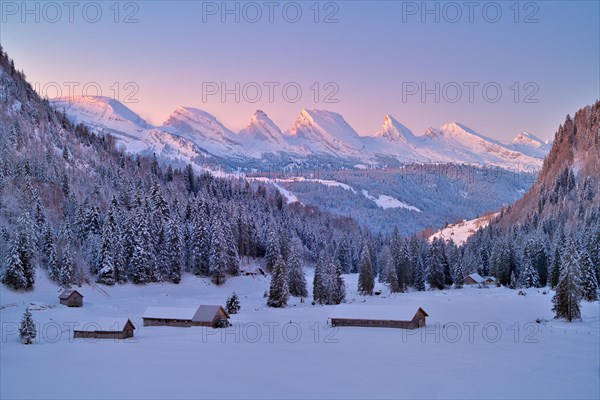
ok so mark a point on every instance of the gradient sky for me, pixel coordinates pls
(374, 49)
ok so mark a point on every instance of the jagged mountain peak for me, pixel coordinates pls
(394, 131)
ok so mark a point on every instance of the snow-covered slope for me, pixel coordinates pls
(455, 141)
(460, 232)
(204, 130)
(106, 115)
(323, 131)
(530, 145)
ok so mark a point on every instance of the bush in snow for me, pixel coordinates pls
(233, 304)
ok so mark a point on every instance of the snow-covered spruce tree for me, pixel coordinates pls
(344, 255)
(435, 265)
(555, 268)
(143, 258)
(366, 271)
(15, 275)
(27, 331)
(66, 272)
(319, 291)
(296, 276)
(459, 275)
(338, 292)
(233, 261)
(589, 283)
(403, 266)
(529, 277)
(568, 292)
(198, 256)
(501, 263)
(278, 292)
(218, 254)
(513, 282)
(106, 259)
(233, 304)
(273, 249)
(393, 281)
(419, 275)
(385, 263)
(20, 272)
(53, 265)
(172, 251)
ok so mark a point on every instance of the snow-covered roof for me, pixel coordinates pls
(115, 324)
(380, 312)
(203, 313)
(477, 278)
(67, 293)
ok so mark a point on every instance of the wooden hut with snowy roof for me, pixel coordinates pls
(204, 315)
(71, 298)
(378, 316)
(474, 279)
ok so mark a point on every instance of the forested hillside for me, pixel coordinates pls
(81, 209)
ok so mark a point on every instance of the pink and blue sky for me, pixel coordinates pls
(550, 49)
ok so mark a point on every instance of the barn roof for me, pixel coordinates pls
(67, 293)
(477, 278)
(116, 324)
(379, 312)
(202, 313)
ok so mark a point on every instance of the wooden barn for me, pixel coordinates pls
(474, 279)
(71, 298)
(111, 328)
(378, 316)
(204, 315)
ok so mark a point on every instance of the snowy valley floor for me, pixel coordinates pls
(478, 343)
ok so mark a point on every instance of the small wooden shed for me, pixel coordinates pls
(378, 316)
(71, 298)
(473, 279)
(490, 280)
(204, 315)
(106, 328)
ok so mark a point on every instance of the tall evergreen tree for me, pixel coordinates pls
(435, 265)
(296, 277)
(278, 292)
(173, 252)
(366, 277)
(419, 275)
(338, 292)
(589, 283)
(555, 269)
(67, 269)
(218, 254)
(568, 296)
(319, 290)
(529, 277)
(459, 275)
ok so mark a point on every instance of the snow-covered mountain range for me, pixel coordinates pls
(190, 133)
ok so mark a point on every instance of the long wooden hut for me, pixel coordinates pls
(204, 315)
(106, 328)
(378, 316)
